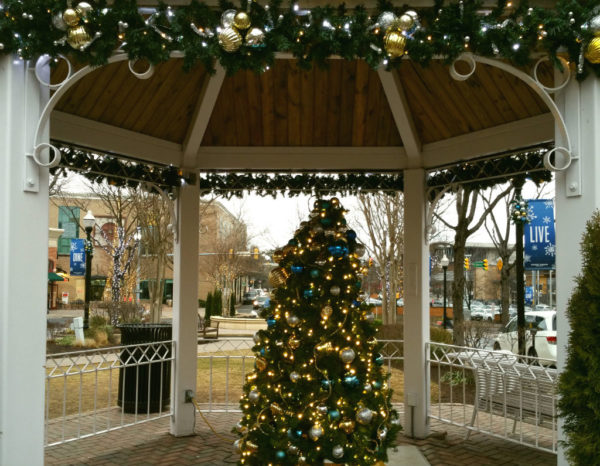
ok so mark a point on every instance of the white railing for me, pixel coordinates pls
(94, 391)
(494, 392)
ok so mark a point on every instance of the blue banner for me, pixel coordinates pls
(540, 242)
(77, 257)
(529, 295)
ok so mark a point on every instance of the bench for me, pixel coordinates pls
(513, 389)
(205, 330)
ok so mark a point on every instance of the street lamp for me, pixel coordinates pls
(137, 236)
(444, 263)
(88, 224)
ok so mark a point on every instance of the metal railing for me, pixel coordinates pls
(494, 392)
(94, 391)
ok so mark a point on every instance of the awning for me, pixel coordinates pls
(54, 277)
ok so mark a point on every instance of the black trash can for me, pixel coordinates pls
(145, 384)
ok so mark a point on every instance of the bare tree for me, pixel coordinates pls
(383, 216)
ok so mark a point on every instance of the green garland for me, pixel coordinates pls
(32, 28)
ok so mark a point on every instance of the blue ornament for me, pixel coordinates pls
(376, 384)
(351, 381)
(351, 234)
(379, 360)
(271, 322)
(280, 454)
(326, 384)
(308, 293)
(356, 303)
(334, 414)
(297, 268)
(314, 273)
(262, 351)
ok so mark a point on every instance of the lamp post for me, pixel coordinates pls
(137, 236)
(444, 263)
(88, 223)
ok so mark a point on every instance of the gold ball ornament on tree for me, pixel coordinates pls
(294, 342)
(394, 42)
(255, 37)
(78, 37)
(592, 51)
(326, 312)
(84, 9)
(241, 20)
(347, 426)
(278, 277)
(230, 40)
(404, 23)
(70, 17)
(261, 364)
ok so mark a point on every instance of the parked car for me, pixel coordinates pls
(545, 338)
(261, 302)
(482, 313)
(249, 297)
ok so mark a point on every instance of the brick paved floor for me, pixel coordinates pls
(151, 444)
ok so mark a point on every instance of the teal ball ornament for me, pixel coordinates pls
(334, 414)
(280, 455)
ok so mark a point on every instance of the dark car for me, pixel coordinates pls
(249, 297)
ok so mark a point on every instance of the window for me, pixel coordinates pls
(68, 220)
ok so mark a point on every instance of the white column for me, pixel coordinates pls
(580, 107)
(416, 305)
(23, 271)
(185, 309)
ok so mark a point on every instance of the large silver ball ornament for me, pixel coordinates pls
(294, 376)
(315, 432)
(594, 24)
(337, 451)
(254, 396)
(59, 22)
(386, 19)
(256, 338)
(368, 388)
(255, 37)
(364, 416)
(322, 410)
(335, 290)
(227, 18)
(347, 355)
(293, 321)
(84, 9)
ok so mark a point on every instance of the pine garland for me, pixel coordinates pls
(29, 29)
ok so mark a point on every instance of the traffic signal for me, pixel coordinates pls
(370, 262)
(467, 265)
(485, 264)
(255, 252)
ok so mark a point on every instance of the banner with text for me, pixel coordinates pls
(540, 242)
(77, 257)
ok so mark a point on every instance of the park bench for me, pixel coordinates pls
(206, 331)
(513, 389)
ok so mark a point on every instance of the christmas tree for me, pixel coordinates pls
(318, 393)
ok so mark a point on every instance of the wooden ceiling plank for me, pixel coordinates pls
(229, 109)
(111, 93)
(359, 120)
(374, 94)
(254, 113)
(267, 99)
(384, 122)
(396, 98)
(89, 96)
(335, 101)
(320, 104)
(482, 105)
(207, 98)
(499, 104)
(307, 107)
(280, 100)
(129, 83)
(347, 96)
(506, 83)
(293, 104)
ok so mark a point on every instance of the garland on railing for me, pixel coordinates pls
(247, 36)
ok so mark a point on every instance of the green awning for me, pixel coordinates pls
(54, 277)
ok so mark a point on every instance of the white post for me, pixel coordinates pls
(23, 270)
(416, 306)
(580, 107)
(185, 309)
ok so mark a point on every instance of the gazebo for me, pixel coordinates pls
(396, 115)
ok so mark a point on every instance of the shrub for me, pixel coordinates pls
(209, 307)
(440, 335)
(232, 305)
(67, 340)
(217, 305)
(201, 303)
(579, 403)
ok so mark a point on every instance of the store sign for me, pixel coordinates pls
(77, 261)
(540, 242)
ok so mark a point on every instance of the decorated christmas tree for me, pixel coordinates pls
(318, 393)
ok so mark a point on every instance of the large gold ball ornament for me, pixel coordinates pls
(230, 40)
(78, 37)
(261, 364)
(394, 43)
(241, 20)
(255, 37)
(289, 249)
(347, 426)
(83, 9)
(278, 277)
(592, 51)
(70, 17)
(278, 255)
(294, 343)
(404, 23)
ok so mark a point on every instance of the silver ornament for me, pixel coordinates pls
(294, 376)
(368, 388)
(302, 460)
(370, 317)
(337, 451)
(293, 450)
(256, 338)
(364, 416)
(386, 19)
(395, 422)
(253, 396)
(238, 445)
(326, 312)
(315, 432)
(347, 355)
(255, 37)
(227, 18)
(359, 250)
(322, 409)
(594, 24)
(293, 321)
(59, 22)
(84, 9)
(239, 427)
(1, 46)
(335, 290)
(382, 433)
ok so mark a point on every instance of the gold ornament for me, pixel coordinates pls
(255, 37)
(278, 277)
(394, 43)
(70, 17)
(592, 51)
(230, 40)
(78, 37)
(404, 23)
(278, 255)
(251, 446)
(326, 312)
(241, 20)
(261, 364)
(294, 342)
(83, 9)
(347, 425)
(379, 463)
(275, 408)
(289, 249)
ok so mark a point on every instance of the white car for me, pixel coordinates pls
(482, 313)
(373, 301)
(545, 338)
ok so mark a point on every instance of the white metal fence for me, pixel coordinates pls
(493, 392)
(95, 391)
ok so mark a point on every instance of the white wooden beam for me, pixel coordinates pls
(111, 139)
(204, 108)
(502, 138)
(394, 91)
(301, 158)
